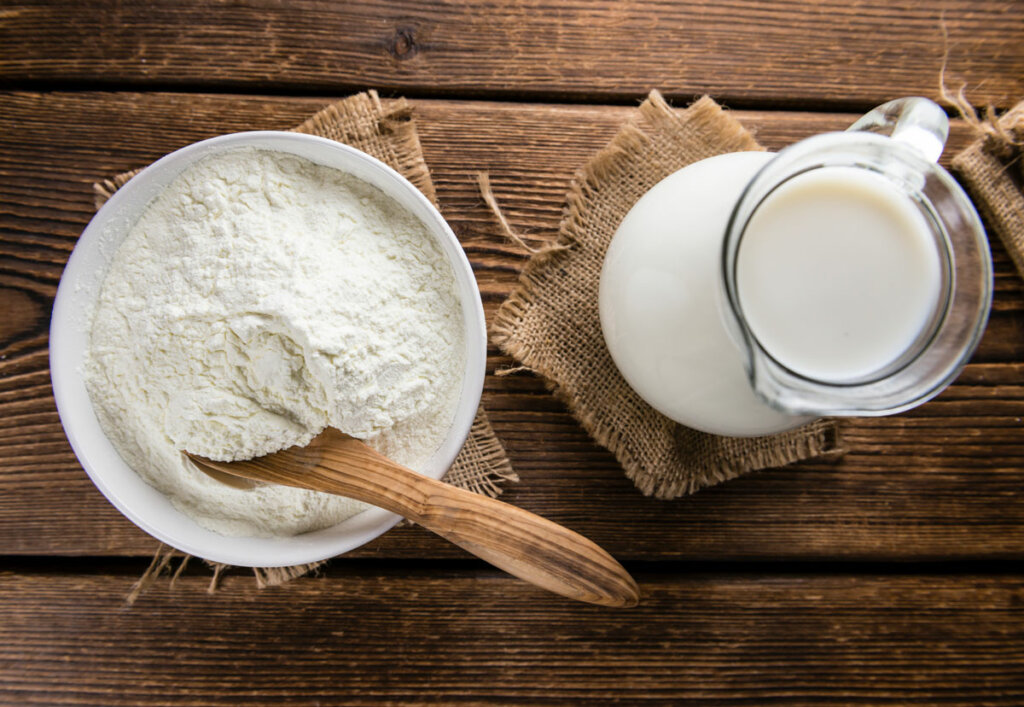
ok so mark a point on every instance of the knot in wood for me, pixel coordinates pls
(403, 44)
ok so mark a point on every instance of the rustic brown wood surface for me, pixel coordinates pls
(890, 576)
(930, 484)
(791, 52)
(437, 635)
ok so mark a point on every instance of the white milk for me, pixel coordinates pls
(662, 303)
(838, 274)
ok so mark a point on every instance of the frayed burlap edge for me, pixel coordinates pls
(992, 170)
(729, 457)
(632, 136)
(721, 458)
(387, 132)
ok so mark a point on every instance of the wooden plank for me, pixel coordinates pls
(788, 53)
(940, 482)
(445, 637)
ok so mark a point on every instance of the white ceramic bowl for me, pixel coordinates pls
(69, 337)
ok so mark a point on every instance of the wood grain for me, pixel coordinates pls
(787, 53)
(444, 636)
(940, 482)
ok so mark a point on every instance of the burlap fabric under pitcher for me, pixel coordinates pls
(550, 322)
(388, 133)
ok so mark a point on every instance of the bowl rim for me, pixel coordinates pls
(78, 417)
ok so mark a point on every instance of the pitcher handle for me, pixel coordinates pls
(917, 122)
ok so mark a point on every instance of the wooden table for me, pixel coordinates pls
(891, 576)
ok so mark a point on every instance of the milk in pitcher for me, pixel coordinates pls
(838, 274)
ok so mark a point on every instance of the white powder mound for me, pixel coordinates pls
(259, 299)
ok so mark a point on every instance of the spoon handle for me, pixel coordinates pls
(517, 541)
(528, 546)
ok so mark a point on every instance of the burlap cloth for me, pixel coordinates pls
(389, 134)
(992, 170)
(550, 322)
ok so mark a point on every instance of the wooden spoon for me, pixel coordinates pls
(519, 542)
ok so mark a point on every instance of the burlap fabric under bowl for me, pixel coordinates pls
(389, 134)
(550, 322)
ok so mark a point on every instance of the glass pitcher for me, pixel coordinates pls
(897, 146)
(848, 274)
